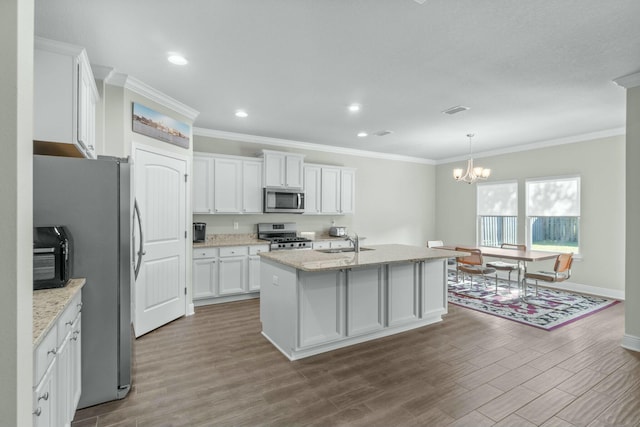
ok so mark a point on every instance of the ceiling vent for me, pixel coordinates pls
(456, 109)
(382, 132)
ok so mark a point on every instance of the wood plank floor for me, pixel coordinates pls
(472, 369)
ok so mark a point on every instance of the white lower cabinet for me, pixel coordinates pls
(220, 274)
(366, 300)
(57, 370)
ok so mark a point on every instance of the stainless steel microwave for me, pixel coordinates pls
(281, 200)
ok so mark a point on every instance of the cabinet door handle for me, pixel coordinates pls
(69, 322)
(52, 351)
(45, 396)
(37, 412)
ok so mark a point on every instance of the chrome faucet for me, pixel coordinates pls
(355, 241)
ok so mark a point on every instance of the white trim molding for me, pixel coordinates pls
(627, 82)
(137, 86)
(255, 139)
(630, 342)
(587, 289)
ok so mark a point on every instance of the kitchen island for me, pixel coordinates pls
(317, 301)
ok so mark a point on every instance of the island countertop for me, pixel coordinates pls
(311, 260)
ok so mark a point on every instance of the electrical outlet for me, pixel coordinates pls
(235, 225)
(275, 280)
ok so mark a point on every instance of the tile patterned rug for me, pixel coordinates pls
(549, 310)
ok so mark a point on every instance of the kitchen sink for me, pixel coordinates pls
(341, 250)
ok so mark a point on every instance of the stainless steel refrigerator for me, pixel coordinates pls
(92, 199)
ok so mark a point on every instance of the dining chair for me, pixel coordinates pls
(561, 272)
(473, 265)
(507, 266)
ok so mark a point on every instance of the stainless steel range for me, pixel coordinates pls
(282, 235)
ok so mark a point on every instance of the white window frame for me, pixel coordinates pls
(512, 210)
(529, 216)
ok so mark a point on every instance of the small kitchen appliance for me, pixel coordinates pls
(282, 236)
(51, 257)
(338, 231)
(199, 232)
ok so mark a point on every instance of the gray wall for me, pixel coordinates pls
(632, 266)
(395, 200)
(601, 166)
(16, 211)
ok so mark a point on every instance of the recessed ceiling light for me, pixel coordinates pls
(362, 134)
(383, 132)
(241, 113)
(354, 108)
(177, 59)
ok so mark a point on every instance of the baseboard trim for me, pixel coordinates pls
(586, 289)
(191, 310)
(631, 342)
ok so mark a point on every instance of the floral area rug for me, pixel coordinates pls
(549, 310)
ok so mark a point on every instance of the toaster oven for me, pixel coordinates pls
(51, 257)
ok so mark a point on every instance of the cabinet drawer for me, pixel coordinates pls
(340, 244)
(205, 253)
(67, 318)
(255, 250)
(234, 251)
(321, 245)
(44, 354)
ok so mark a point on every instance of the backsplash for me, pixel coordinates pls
(224, 224)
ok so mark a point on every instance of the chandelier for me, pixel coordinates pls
(472, 174)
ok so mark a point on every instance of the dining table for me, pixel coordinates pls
(513, 254)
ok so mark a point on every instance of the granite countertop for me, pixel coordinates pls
(48, 305)
(378, 254)
(218, 240)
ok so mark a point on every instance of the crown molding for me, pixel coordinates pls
(101, 72)
(541, 144)
(137, 86)
(287, 143)
(627, 82)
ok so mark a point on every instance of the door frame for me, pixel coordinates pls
(188, 300)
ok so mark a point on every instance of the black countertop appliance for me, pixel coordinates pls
(51, 257)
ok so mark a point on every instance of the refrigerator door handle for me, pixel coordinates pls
(141, 252)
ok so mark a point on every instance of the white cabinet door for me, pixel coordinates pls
(347, 191)
(312, 190)
(44, 405)
(274, 169)
(293, 173)
(330, 190)
(403, 295)
(254, 273)
(434, 301)
(233, 275)
(64, 383)
(86, 110)
(365, 296)
(205, 278)
(76, 364)
(321, 305)
(202, 185)
(227, 185)
(251, 186)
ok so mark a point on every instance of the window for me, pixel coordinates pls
(497, 213)
(553, 214)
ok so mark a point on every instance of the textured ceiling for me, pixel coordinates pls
(529, 71)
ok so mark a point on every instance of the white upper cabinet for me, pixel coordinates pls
(65, 97)
(283, 170)
(252, 186)
(347, 191)
(312, 190)
(202, 184)
(226, 184)
(329, 190)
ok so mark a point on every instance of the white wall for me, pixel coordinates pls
(601, 166)
(395, 200)
(16, 211)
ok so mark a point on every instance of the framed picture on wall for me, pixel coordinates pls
(159, 126)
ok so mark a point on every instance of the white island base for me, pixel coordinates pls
(304, 313)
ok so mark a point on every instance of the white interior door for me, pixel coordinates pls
(160, 192)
